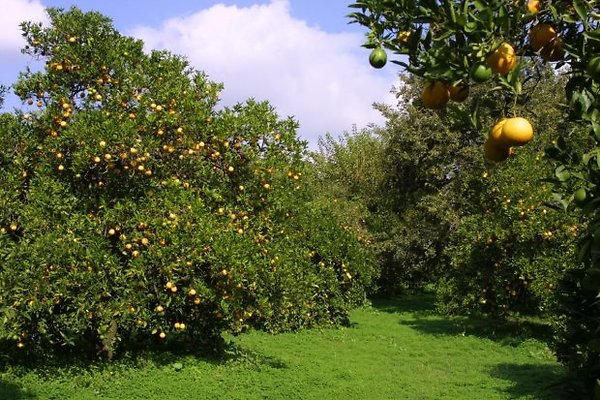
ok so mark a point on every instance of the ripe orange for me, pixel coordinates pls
(458, 93)
(541, 35)
(435, 95)
(403, 37)
(534, 6)
(494, 151)
(496, 131)
(516, 131)
(503, 59)
(553, 51)
(378, 58)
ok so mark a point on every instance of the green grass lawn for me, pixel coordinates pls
(397, 349)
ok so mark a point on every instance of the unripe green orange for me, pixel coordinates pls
(580, 196)
(481, 72)
(378, 58)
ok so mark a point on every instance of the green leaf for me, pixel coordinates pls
(582, 10)
(470, 27)
(481, 5)
(596, 130)
(444, 36)
(594, 35)
(358, 4)
(461, 19)
(562, 173)
(452, 11)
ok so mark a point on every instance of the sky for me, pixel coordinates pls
(301, 55)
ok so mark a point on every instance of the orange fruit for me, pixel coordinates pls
(481, 72)
(496, 131)
(534, 6)
(516, 131)
(580, 196)
(503, 59)
(458, 93)
(541, 35)
(494, 151)
(435, 95)
(403, 37)
(378, 58)
(553, 51)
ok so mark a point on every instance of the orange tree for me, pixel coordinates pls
(435, 214)
(464, 43)
(348, 173)
(132, 210)
(453, 207)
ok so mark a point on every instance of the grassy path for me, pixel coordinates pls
(394, 350)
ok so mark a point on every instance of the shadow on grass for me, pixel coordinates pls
(418, 312)
(55, 363)
(11, 391)
(423, 304)
(254, 358)
(540, 382)
(509, 332)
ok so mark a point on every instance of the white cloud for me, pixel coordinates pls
(13, 13)
(323, 79)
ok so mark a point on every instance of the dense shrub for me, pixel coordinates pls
(131, 208)
(512, 253)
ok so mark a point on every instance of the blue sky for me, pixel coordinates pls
(301, 55)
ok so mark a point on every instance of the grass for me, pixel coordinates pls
(396, 349)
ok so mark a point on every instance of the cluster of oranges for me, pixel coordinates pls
(544, 40)
(508, 132)
(501, 61)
